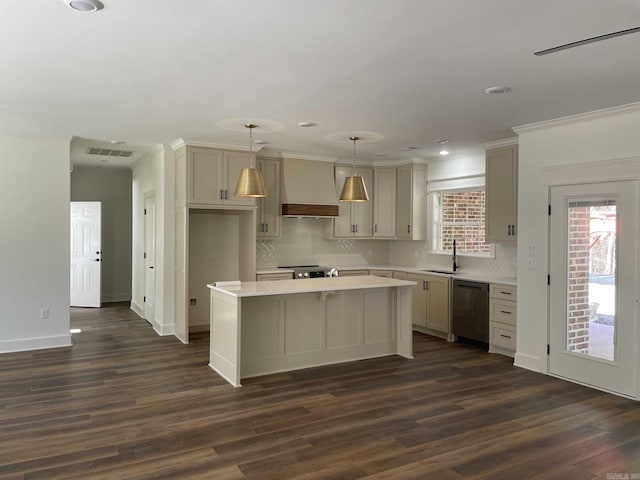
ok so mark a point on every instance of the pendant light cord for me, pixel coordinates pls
(355, 139)
(251, 126)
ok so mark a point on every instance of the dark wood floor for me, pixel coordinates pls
(125, 403)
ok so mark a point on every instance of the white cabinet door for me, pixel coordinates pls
(342, 225)
(403, 201)
(384, 203)
(501, 193)
(361, 212)
(268, 216)
(205, 170)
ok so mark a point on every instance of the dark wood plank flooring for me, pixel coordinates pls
(125, 403)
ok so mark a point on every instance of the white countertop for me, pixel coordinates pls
(325, 284)
(462, 275)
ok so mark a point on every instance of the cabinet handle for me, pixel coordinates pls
(513, 230)
(375, 228)
(505, 336)
(505, 293)
(509, 230)
(424, 286)
(427, 285)
(221, 194)
(226, 194)
(266, 225)
(356, 225)
(506, 313)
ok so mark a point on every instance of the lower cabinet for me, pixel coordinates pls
(431, 302)
(502, 319)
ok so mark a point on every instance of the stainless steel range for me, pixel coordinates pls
(311, 271)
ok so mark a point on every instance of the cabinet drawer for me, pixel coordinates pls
(503, 336)
(502, 311)
(504, 292)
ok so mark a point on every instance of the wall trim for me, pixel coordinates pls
(529, 362)
(137, 309)
(581, 117)
(507, 142)
(592, 172)
(38, 343)
(181, 142)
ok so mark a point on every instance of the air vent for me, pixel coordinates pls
(107, 152)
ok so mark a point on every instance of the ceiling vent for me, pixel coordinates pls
(108, 152)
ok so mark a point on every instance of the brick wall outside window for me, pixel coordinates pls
(460, 216)
(578, 270)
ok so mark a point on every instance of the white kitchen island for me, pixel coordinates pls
(266, 327)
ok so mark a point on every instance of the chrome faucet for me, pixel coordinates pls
(455, 264)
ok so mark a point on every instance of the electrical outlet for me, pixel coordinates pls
(44, 313)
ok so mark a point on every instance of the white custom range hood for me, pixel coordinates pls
(308, 189)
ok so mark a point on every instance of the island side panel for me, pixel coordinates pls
(404, 321)
(224, 352)
(290, 332)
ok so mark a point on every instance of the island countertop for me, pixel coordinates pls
(323, 284)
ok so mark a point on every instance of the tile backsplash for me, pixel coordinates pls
(307, 241)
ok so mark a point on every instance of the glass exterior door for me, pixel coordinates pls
(593, 284)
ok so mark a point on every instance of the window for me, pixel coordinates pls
(459, 215)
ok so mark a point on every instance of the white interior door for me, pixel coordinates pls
(149, 257)
(593, 292)
(86, 254)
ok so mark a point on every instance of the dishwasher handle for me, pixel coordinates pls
(471, 285)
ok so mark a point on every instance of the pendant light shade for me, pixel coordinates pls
(250, 183)
(354, 189)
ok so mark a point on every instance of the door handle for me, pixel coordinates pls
(96, 259)
(151, 268)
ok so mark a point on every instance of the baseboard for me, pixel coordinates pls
(137, 309)
(529, 362)
(199, 327)
(116, 297)
(39, 343)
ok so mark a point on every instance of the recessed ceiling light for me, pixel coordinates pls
(444, 152)
(306, 124)
(497, 90)
(117, 142)
(85, 5)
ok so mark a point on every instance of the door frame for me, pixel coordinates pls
(595, 190)
(146, 233)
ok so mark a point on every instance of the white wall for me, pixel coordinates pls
(154, 173)
(602, 136)
(112, 187)
(214, 249)
(34, 244)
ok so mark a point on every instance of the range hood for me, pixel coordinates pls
(308, 189)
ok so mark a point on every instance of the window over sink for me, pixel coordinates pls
(459, 214)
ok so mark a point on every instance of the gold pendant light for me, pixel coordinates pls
(250, 183)
(354, 189)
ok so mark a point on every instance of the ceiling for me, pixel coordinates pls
(400, 73)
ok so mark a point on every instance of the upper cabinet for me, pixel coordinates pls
(355, 218)
(384, 202)
(501, 193)
(411, 202)
(210, 175)
(268, 217)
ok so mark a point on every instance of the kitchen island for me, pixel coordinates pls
(266, 327)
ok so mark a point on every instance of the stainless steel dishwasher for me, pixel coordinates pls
(470, 317)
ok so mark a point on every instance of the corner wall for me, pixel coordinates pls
(154, 173)
(607, 135)
(34, 245)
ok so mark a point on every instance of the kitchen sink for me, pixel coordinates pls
(446, 272)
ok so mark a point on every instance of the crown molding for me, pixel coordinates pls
(298, 156)
(507, 142)
(581, 117)
(181, 142)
